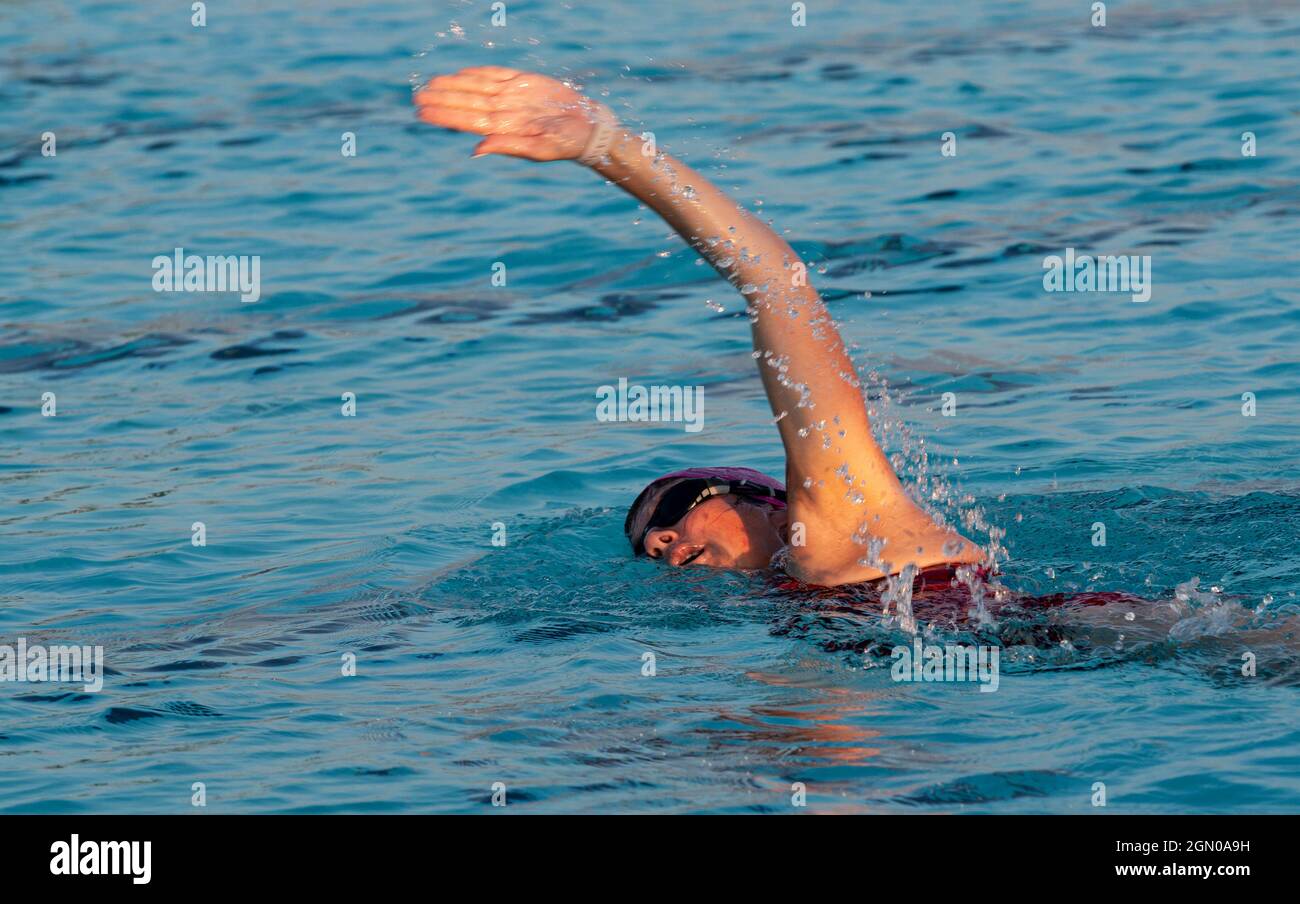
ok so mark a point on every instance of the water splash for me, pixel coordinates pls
(898, 590)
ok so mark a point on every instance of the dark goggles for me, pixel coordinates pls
(686, 495)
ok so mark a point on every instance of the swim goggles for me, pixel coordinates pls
(686, 494)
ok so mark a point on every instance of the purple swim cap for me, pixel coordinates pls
(745, 480)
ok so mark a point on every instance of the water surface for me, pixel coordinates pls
(523, 664)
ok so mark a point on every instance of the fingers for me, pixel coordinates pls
(446, 99)
(496, 102)
(495, 73)
(460, 82)
(468, 101)
(458, 100)
(474, 80)
(461, 120)
(483, 123)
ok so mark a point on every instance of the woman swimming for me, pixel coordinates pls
(842, 516)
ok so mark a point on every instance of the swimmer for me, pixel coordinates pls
(841, 516)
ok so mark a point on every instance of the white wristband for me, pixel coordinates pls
(605, 128)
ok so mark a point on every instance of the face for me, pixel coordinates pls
(720, 532)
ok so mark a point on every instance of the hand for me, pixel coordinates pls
(523, 114)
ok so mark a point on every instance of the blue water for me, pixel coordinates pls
(522, 664)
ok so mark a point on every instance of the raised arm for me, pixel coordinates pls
(840, 483)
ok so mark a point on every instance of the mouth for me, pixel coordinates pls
(691, 558)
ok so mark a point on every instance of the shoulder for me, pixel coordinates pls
(844, 561)
(820, 570)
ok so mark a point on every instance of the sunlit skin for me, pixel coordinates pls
(721, 532)
(842, 488)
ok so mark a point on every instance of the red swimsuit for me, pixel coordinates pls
(941, 591)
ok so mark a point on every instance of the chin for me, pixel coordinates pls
(752, 562)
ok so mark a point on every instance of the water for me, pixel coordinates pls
(523, 664)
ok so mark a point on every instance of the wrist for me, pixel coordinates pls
(622, 156)
(604, 128)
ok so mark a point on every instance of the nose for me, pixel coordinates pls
(658, 542)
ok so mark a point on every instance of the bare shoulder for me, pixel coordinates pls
(831, 555)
